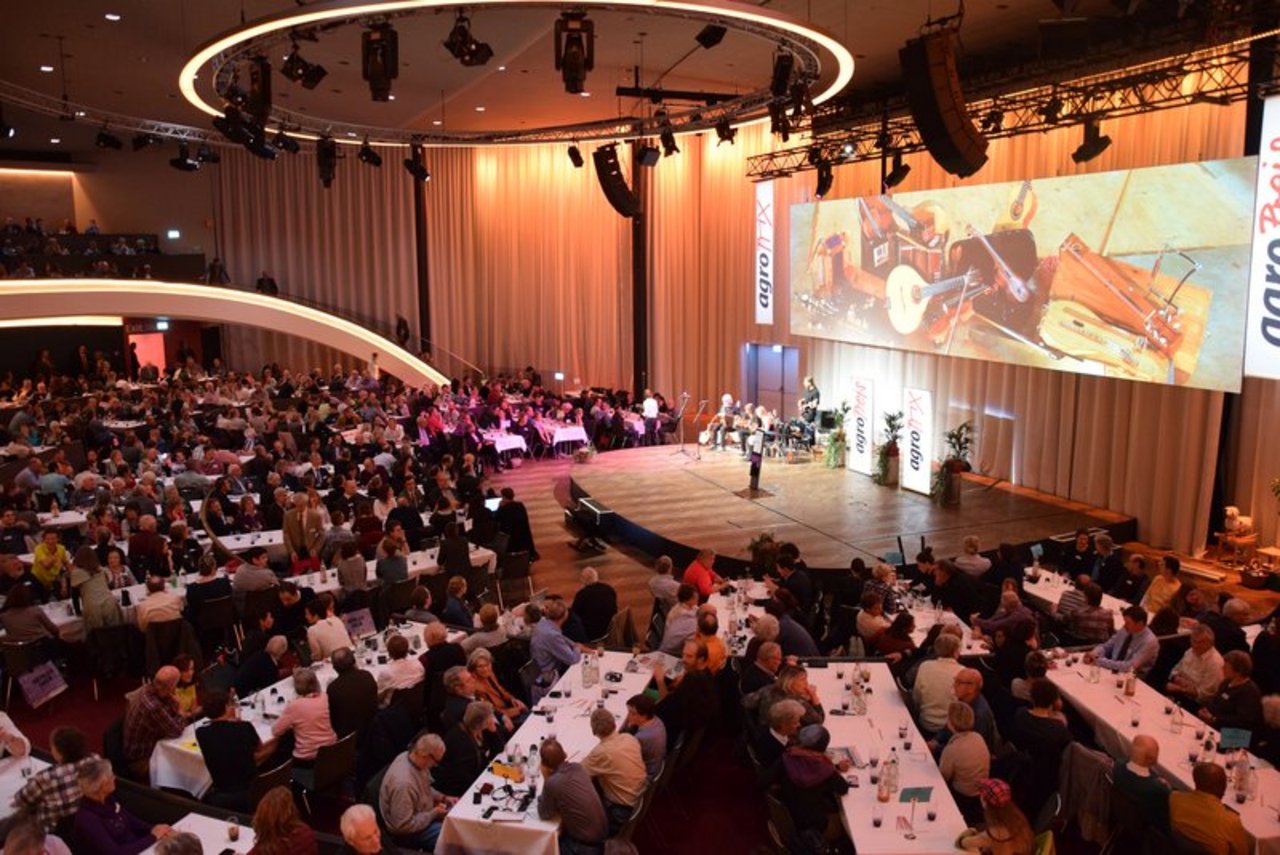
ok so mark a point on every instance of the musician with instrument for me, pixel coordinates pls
(809, 401)
(722, 423)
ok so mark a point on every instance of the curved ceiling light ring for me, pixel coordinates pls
(262, 36)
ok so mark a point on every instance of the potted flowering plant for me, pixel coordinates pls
(948, 482)
(837, 442)
(887, 452)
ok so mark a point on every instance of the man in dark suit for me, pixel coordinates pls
(261, 668)
(1228, 627)
(764, 670)
(353, 695)
(207, 586)
(784, 723)
(513, 519)
(955, 590)
(796, 580)
(1133, 583)
(595, 604)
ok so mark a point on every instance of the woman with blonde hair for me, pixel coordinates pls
(277, 827)
(489, 688)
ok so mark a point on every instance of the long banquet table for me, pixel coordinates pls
(1112, 715)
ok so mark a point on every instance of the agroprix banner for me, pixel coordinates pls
(763, 262)
(1262, 339)
(917, 440)
(859, 425)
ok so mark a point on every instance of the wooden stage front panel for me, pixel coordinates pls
(832, 515)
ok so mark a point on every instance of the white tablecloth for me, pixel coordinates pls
(569, 433)
(1110, 713)
(14, 772)
(465, 828)
(1049, 589)
(878, 730)
(271, 540)
(213, 833)
(64, 519)
(503, 442)
(121, 426)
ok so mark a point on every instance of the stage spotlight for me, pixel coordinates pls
(648, 155)
(414, 165)
(184, 162)
(298, 70)
(284, 142)
(107, 140)
(725, 132)
(141, 141)
(801, 100)
(899, 172)
(814, 156)
(575, 156)
(826, 176)
(464, 46)
(575, 50)
(1094, 143)
(668, 139)
(258, 145)
(783, 64)
(1052, 111)
(779, 125)
(993, 121)
(710, 36)
(231, 125)
(327, 160)
(847, 150)
(380, 59)
(368, 155)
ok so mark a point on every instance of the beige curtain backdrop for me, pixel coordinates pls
(349, 248)
(1255, 456)
(529, 264)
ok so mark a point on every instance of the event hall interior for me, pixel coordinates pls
(522, 426)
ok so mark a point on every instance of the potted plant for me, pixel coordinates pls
(887, 452)
(837, 442)
(948, 480)
(764, 554)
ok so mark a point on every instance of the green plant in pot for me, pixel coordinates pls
(947, 481)
(887, 452)
(838, 441)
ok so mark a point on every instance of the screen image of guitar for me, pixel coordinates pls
(908, 295)
(922, 243)
(1022, 209)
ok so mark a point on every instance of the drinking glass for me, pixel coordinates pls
(877, 814)
(874, 758)
(233, 829)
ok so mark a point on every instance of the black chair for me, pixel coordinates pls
(164, 642)
(395, 598)
(113, 747)
(108, 651)
(334, 765)
(412, 700)
(268, 780)
(657, 627)
(216, 620)
(514, 580)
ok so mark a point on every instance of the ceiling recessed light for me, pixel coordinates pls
(502, 68)
(391, 97)
(437, 122)
(47, 69)
(55, 140)
(585, 94)
(112, 16)
(479, 109)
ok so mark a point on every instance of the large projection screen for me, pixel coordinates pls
(1140, 274)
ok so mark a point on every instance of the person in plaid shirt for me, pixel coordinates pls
(53, 794)
(152, 717)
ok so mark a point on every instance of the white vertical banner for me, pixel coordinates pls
(859, 426)
(1262, 336)
(917, 440)
(763, 262)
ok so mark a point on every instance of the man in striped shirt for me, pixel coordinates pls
(53, 794)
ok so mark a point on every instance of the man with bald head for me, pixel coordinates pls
(1202, 818)
(151, 717)
(1137, 780)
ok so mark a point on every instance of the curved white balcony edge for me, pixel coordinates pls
(52, 298)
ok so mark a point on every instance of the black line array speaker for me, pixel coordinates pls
(937, 104)
(613, 182)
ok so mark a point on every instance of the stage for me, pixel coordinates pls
(667, 502)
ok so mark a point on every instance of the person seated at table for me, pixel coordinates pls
(701, 576)
(232, 752)
(1201, 817)
(812, 786)
(1040, 731)
(291, 609)
(681, 621)
(215, 522)
(871, 619)
(13, 533)
(419, 610)
(402, 671)
(793, 578)
(490, 634)
(53, 794)
(1090, 623)
(1228, 627)
(1010, 611)
(689, 700)
(325, 631)
(954, 590)
(50, 562)
(278, 828)
(353, 572)
(361, 833)
(1009, 649)
(595, 604)
(254, 574)
(1081, 559)
(1164, 587)
(103, 826)
(489, 688)
(708, 633)
(549, 648)
(391, 566)
(895, 643)
(792, 635)
(662, 585)
(186, 691)
(23, 621)
(12, 742)
(1034, 666)
(306, 717)
(762, 670)
(1006, 830)
(412, 810)
(25, 836)
(159, 605)
(793, 684)
(456, 611)
(14, 573)
(966, 759)
(353, 694)
(1132, 584)
(1139, 781)
(117, 569)
(98, 605)
(261, 668)
(207, 585)
(935, 682)
(468, 749)
(1238, 701)
(152, 716)
(642, 722)
(1198, 674)
(249, 519)
(1266, 657)
(1133, 648)
(616, 765)
(969, 561)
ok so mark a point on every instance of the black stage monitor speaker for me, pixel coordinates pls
(937, 104)
(826, 420)
(613, 182)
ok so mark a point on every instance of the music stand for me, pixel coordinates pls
(679, 417)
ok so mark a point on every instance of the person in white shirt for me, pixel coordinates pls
(12, 742)
(1198, 673)
(970, 561)
(325, 633)
(649, 410)
(935, 683)
(159, 605)
(402, 671)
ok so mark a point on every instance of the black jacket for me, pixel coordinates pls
(353, 701)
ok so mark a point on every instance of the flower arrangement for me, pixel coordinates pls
(838, 441)
(888, 449)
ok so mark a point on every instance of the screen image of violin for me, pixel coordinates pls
(1140, 274)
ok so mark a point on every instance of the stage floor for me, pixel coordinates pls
(833, 515)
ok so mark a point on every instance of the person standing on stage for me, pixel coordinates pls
(755, 446)
(809, 401)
